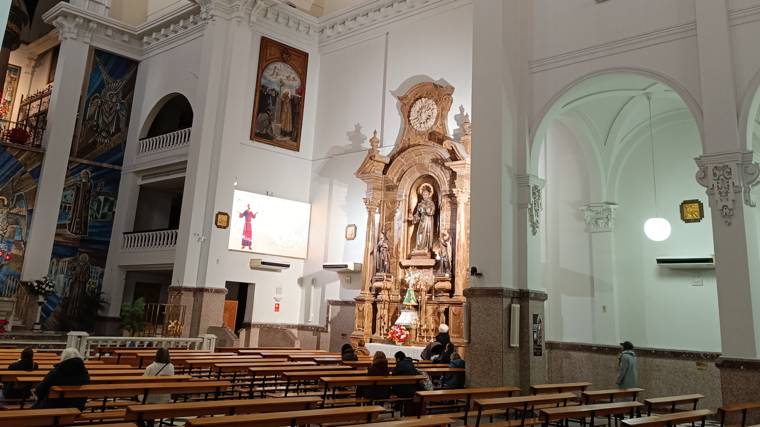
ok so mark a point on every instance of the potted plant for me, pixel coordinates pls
(398, 334)
(133, 318)
(92, 304)
(18, 136)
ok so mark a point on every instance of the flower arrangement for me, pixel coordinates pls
(398, 334)
(43, 287)
(3, 322)
(18, 136)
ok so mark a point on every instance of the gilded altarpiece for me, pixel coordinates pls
(421, 195)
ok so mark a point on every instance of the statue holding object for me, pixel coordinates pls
(424, 216)
(442, 248)
(382, 255)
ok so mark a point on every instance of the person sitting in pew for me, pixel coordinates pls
(379, 368)
(427, 353)
(455, 381)
(70, 371)
(162, 366)
(347, 354)
(361, 350)
(10, 389)
(404, 366)
(445, 357)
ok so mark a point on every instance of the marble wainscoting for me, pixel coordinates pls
(339, 323)
(740, 383)
(661, 372)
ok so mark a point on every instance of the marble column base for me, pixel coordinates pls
(491, 362)
(205, 307)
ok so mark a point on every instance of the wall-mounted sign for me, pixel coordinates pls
(277, 307)
(692, 211)
(351, 232)
(222, 220)
(538, 335)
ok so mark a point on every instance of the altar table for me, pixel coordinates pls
(391, 349)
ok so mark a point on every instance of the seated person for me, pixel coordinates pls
(379, 368)
(11, 390)
(347, 354)
(445, 357)
(361, 350)
(404, 366)
(71, 371)
(455, 381)
(161, 367)
(427, 353)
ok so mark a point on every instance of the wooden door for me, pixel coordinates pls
(230, 314)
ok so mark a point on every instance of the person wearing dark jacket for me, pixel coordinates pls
(25, 363)
(443, 335)
(427, 353)
(347, 354)
(71, 371)
(379, 368)
(445, 357)
(455, 381)
(404, 366)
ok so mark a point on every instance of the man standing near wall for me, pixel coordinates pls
(627, 367)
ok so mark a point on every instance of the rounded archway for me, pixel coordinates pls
(615, 150)
(172, 113)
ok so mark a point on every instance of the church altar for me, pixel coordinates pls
(416, 255)
(391, 349)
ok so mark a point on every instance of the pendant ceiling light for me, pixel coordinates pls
(657, 229)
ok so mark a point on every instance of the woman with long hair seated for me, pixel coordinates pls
(379, 368)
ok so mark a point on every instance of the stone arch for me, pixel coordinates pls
(172, 100)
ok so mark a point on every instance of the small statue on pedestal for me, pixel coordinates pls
(442, 248)
(382, 254)
(424, 216)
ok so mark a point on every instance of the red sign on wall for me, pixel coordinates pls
(277, 307)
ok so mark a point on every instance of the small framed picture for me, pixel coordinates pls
(351, 232)
(222, 220)
(692, 211)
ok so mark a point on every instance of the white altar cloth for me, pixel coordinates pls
(391, 349)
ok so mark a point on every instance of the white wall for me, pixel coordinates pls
(132, 12)
(159, 8)
(153, 208)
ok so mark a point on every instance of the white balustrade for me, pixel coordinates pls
(167, 141)
(83, 342)
(163, 239)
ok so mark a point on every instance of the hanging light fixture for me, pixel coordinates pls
(657, 229)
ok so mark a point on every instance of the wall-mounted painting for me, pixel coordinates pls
(269, 225)
(278, 107)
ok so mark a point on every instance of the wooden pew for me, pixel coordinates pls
(106, 379)
(293, 418)
(741, 407)
(558, 388)
(260, 373)
(523, 404)
(229, 407)
(309, 376)
(6, 376)
(673, 401)
(106, 391)
(442, 372)
(668, 420)
(436, 421)
(238, 349)
(253, 368)
(548, 415)
(357, 381)
(41, 417)
(421, 398)
(589, 397)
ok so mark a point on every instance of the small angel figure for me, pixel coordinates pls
(442, 248)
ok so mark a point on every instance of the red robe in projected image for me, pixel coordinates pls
(247, 230)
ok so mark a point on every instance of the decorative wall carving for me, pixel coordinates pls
(535, 208)
(530, 198)
(601, 216)
(726, 174)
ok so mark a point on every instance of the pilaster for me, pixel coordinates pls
(62, 116)
(530, 205)
(601, 220)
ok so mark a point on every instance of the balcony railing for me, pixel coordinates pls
(163, 142)
(156, 239)
(28, 132)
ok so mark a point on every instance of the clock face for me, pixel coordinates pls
(423, 114)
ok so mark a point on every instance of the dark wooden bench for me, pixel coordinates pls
(588, 411)
(442, 372)
(523, 404)
(315, 375)
(230, 407)
(41, 417)
(672, 402)
(332, 382)
(431, 421)
(558, 388)
(743, 408)
(669, 420)
(293, 418)
(422, 398)
(589, 397)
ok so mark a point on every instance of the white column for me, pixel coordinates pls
(601, 220)
(62, 115)
(728, 173)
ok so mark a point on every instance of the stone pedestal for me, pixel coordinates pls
(205, 307)
(491, 362)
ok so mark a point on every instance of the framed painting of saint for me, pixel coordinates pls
(281, 87)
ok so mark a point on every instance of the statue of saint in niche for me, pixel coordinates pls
(382, 254)
(424, 217)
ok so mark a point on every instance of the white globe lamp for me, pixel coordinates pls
(657, 229)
